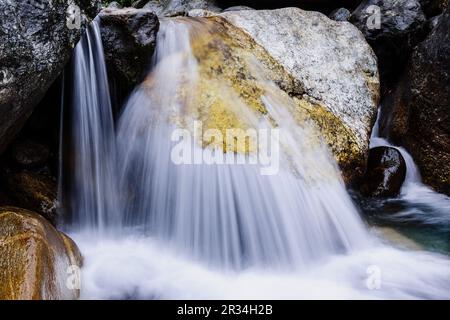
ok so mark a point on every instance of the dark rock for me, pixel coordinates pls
(33, 191)
(418, 110)
(129, 39)
(340, 14)
(402, 26)
(386, 171)
(36, 41)
(30, 154)
(433, 7)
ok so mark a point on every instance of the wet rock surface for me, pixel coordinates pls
(386, 171)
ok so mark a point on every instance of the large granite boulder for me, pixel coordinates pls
(36, 260)
(324, 62)
(417, 112)
(332, 67)
(36, 41)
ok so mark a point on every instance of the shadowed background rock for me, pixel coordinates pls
(129, 38)
(418, 108)
(35, 44)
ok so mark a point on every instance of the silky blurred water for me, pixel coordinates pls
(217, 230)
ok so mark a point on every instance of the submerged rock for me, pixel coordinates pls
(35, 257)
(129, 39)
(392, 28)
(386, 171)
(330, 70)
(417, 112)
(36, 41)
(396, 238)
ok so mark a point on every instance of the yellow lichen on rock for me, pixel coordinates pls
(338, 137)
(226, 59)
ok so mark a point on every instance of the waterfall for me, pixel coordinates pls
(228, 215)
(93, 156)
(210, 230)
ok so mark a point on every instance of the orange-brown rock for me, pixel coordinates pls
(35, 258)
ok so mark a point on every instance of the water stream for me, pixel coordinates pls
(150, 228)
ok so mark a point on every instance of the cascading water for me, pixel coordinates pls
(230, 215)
(209, 230)
(93, 154)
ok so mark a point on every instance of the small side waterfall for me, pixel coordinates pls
(210, 230)
(93, 156)
(414, 191)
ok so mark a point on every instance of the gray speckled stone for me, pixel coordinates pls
(331, 59)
